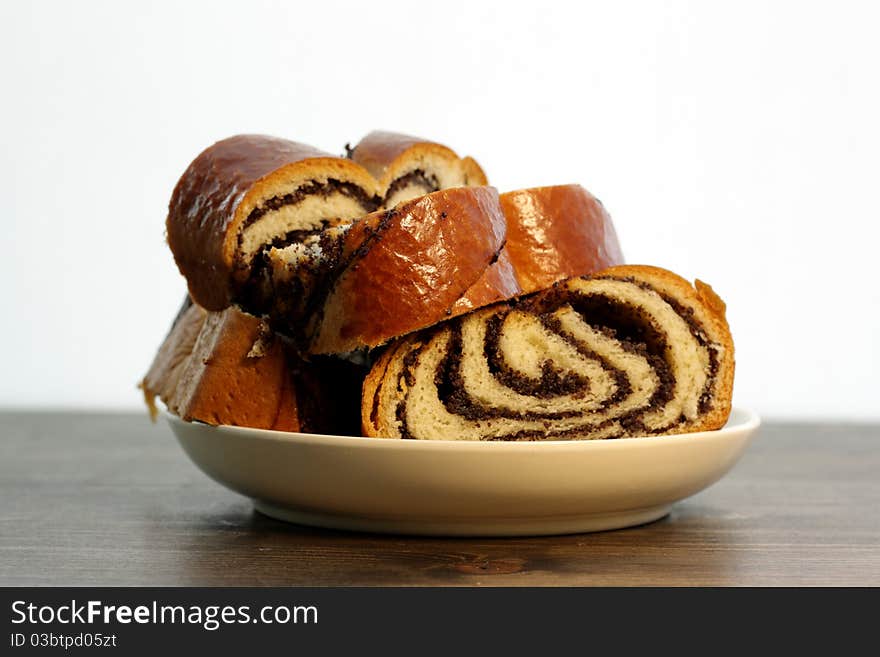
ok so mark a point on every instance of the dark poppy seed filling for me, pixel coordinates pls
(452, 392)
(295, 302)
(314, 188)
(409, 361)
(258, 292)
(599, 358)
(418, 178)
(554, 382)
(332, 267)
(699, 333)
(620, 379)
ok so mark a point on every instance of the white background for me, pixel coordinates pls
(735, 142)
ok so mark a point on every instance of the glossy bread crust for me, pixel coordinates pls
(224, 368)
(473, 172)
(410, 266)
(498, 283)
(379, 150)
(169, 362)
(218, 190)
(557, 232)
(386, 154)
(406, 280)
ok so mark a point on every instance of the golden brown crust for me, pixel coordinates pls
(379, 149)
(707, 294)
(224, 384)
(218, 190)
(171, 359)
(386, 155)
(375, 379)
(498, 283)
(473, 172)
(413, 263)
(204, 372)
(552, 233)
(557, 232)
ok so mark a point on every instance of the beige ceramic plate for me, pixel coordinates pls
(450, 487)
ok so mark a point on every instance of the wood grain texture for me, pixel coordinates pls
(103, 499)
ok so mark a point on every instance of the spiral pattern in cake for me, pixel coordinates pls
(630, 351)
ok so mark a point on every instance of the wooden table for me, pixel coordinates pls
(109, 499)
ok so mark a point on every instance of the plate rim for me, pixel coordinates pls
(749, 424)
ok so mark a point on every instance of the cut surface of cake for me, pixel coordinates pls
(406, 167)
(629, 351)
(251, 192)
(249, 198)
(227, 368)
(391, 273)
